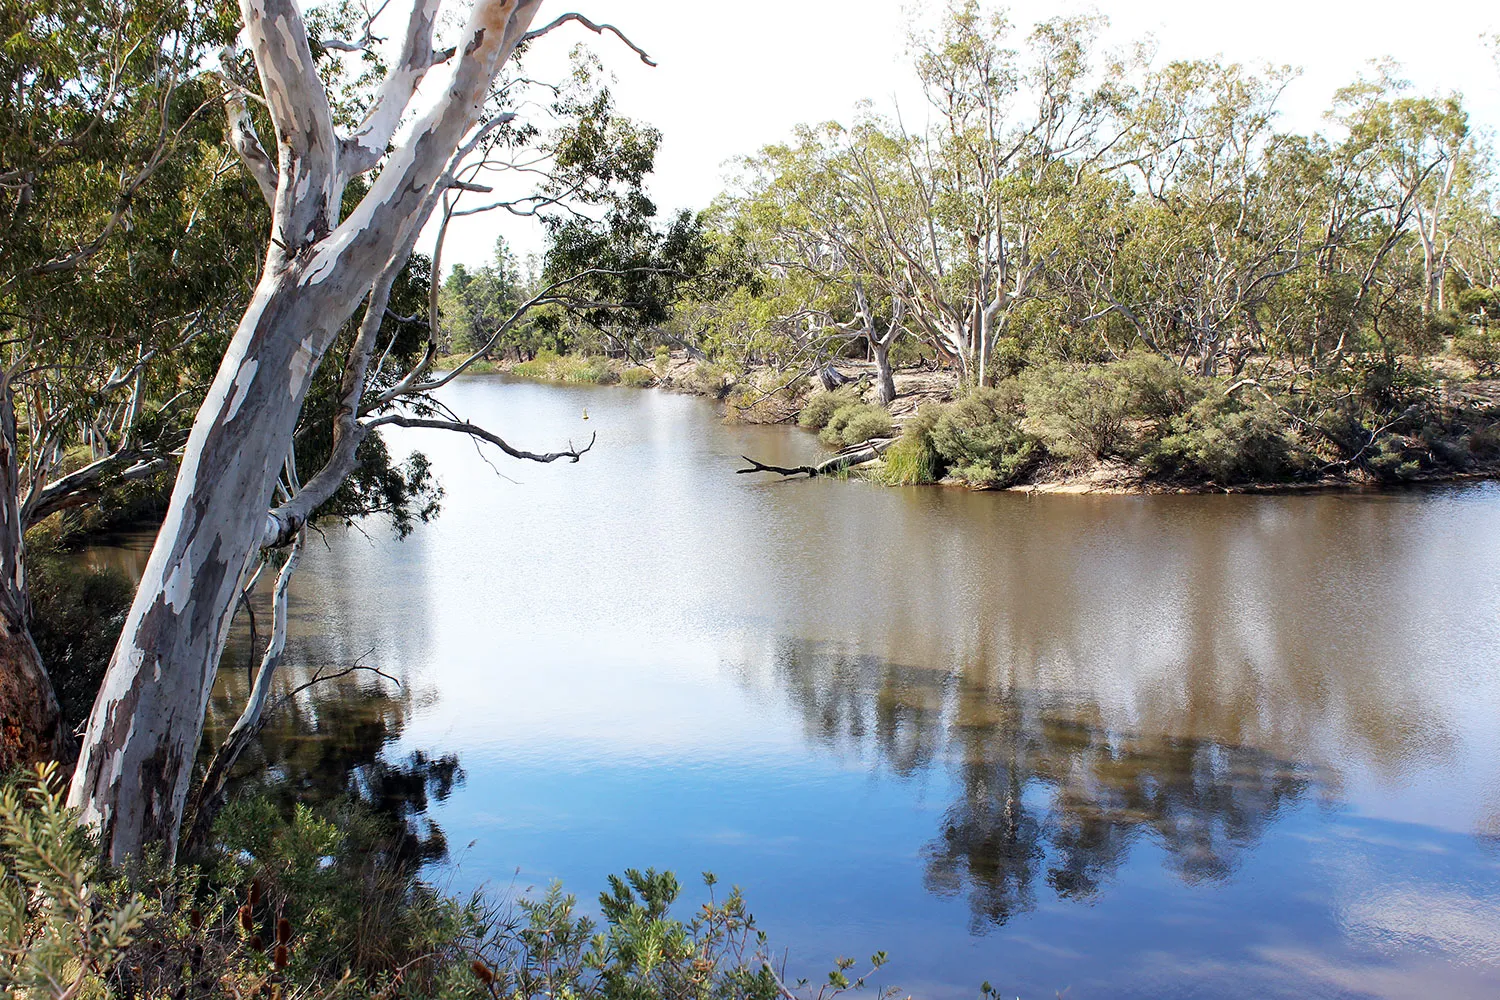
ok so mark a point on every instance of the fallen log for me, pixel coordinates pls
(831, 377)
(859, 454)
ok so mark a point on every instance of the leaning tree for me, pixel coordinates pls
(322, 264)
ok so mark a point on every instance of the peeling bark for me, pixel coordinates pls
(210, 798)
(133, 774)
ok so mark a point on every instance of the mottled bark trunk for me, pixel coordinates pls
(132, 778)
(885, 380)
(211, 797)
(31, 727)
(133, 773)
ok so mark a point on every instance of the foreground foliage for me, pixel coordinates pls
(325, 903)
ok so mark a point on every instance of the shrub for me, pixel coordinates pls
(911, 461)
(57, 937)
(1223, 441)
(855, 423)
(982, 439)
(1482, 304)
(638, 378)
(713, 379)
(592, 371)
(663, 358)
(1480, 347)
(309, 906)
(1009, 358)
(821, 406)
(1077, 412)
(1156, 387)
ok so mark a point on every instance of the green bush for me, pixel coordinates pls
(1077, 412)
(981, 437)
(58, 938)
(1480, 303)
(1223, 441)
(638, 378)
(821, 406)
(1008, 359)
(713, 379)
(1156, 387)
(766, 397)
(911, 461)
(310, 905)
(1480, 347)
(855, 423)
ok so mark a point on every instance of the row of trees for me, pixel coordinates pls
(1086, 204)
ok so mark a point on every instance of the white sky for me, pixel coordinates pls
(733, 77)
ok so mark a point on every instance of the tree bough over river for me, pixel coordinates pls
(1216, 746)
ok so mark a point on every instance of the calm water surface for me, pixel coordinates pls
(1109, 746)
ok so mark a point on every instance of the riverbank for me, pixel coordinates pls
(1137, 426)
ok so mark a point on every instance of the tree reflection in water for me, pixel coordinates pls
(1045, 790)
(330, 744)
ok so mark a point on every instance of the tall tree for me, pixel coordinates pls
(321, 265)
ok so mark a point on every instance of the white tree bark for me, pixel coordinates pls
(136, 763)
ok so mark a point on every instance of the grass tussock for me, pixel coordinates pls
(548, 366)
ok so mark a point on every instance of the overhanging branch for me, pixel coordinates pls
(572, 454)
(597, 29)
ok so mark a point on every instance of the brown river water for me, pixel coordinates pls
(1171, 746)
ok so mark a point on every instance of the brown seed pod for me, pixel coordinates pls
(247, 923)
(195, 918)
(482, 972)
(278, 960)
(283, 931)
(257, 943)
(255, 892)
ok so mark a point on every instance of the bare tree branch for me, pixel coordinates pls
(597, 29)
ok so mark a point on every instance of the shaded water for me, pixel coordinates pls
(1122, 747)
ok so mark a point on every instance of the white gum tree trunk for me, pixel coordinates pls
(135, 767)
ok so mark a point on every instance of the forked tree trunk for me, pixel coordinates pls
(133, 774)
(31, 727)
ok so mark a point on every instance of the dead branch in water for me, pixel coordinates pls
(846, 459)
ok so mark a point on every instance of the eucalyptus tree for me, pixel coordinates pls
(322, 264)
(473, 303)
(805, 205)
(1402, 160)
(1222, 212)
(1011, 141)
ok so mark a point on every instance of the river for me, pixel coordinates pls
(1196, 746)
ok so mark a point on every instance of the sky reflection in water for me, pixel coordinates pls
(1131, 747)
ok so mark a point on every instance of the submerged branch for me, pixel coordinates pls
(847, 459)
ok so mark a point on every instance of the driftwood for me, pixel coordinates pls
(859, 454)
(831, 377)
